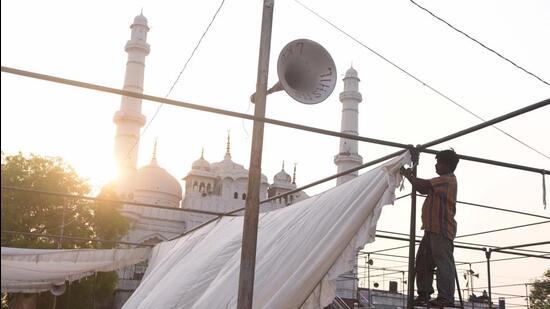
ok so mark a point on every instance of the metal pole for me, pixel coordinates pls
(368, 278)
(487, 123)
(527, 296)
(471, 273)
(412, 239)
(488, 256)
(403, 287)
(250, 226)
(60, 242)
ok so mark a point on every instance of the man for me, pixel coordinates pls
(439, 225)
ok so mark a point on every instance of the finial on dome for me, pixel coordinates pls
(294, 174)
(283, 168)
(228, 148)
(154, 158)
(202, 153)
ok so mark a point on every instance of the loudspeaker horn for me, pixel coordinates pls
(306, 72)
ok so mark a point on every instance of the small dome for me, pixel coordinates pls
(351, 72)
(201, 164)
(153, 178)
(140, 20)
(282, 177)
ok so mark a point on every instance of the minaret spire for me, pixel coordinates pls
(154, 158)
(228, 147)
(348, 156)
(294, 174)
(128, 118)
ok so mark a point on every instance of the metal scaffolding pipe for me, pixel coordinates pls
(521, 246)
(412, 240)
(486, 124)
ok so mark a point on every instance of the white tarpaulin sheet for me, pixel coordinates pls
(301, 250)
(37, 270)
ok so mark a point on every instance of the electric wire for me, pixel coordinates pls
(416, 78)
(468, 235)
(481, 44)
(178, 78)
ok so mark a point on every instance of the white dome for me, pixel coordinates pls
(153, 178)
(282, 177)
(140, 20)
(201, 164)
(351, 72)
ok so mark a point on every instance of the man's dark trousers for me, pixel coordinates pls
(435, 251)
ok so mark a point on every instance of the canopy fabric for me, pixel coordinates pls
(38, 270)
(301, 250)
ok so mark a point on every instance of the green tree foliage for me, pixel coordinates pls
(540, 292)
(45, 214)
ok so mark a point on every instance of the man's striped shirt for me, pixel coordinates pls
(438, 211)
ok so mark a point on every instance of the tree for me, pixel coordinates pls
(539, 295)
(29, 212)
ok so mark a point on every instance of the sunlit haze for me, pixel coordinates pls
(84, 40)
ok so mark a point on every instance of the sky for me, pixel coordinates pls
(84, 40)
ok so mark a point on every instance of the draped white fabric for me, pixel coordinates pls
(37, 270)
(301, 250)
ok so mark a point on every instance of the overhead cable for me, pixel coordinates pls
(481, 44)
(179, 76)
(417, 79)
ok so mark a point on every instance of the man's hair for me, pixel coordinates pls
(448, 157)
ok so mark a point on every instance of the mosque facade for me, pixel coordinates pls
(209, 188)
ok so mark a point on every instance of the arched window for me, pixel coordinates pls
(208, 188)
(291, 198)
(235, 195)
(195, 186)
(201, 187)
(244, 196)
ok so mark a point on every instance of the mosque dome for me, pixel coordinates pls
(201, 164)
(351, 72)
(140, 20)
(154, 178)
(155, 185)
(282, 177)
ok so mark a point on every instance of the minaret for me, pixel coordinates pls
(129, 119)
(348, 157)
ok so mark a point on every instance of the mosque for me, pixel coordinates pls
(209, 187)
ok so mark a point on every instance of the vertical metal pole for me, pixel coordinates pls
(60, 242)
(412, 243)
(471, 273)
(488, 256)
(250, 226)
(368, 279)
(403, 287)
(527, 296)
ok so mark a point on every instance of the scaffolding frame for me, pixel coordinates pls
(416, 150)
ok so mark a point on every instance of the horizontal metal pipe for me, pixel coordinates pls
(267, 120)
(486, 124)
(98, 199)
(493, 162)
(196, 106)
(521, 246)
(471, 248)
(373, 162)
(76, 238)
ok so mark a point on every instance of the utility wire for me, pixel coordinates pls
(478, 42)
(417, 79)
(178, 78)
(467, 235)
